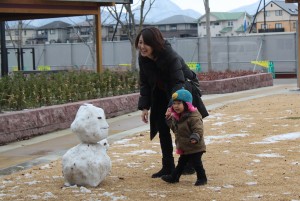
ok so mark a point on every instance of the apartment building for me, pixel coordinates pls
(279, 17)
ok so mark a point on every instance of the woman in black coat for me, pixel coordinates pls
(162, 72)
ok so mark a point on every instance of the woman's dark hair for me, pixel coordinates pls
(152, 37)
(186, 107)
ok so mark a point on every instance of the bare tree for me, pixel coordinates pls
(208, 34)
(129, 24)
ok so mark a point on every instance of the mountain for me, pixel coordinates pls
(160, 10)
(252, 8)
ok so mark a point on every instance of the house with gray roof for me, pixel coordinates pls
(178, 26)
(225, 24)
(53, 32)
(279, 17)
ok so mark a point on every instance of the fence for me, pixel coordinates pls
(233, 53)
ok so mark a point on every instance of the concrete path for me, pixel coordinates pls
(43, 149)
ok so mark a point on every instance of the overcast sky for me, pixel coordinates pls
(215, 5)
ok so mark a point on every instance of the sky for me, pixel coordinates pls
(215, 5)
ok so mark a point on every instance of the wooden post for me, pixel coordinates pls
(99, 41)
(298, 55)
(298, 63)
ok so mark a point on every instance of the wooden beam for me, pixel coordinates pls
(291, 1)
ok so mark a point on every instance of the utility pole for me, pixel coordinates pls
(264, 15)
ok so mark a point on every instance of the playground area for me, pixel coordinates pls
(253, 151)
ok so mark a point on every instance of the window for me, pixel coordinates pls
(162, 27)
(173, 27)
(193, 26)
(16, 32)
(278, 12)
(216, 23)
(278, 25)
(268, 13)
(52, 31)
(263, 26)
(294, 25)
(230, 23)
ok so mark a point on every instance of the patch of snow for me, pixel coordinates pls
(133, 165)
(249, 172)
(130, 145)
(211, 139)
(219, 123)
(141, 152)
(34, 197)
(84, 190)
(271, 155)
(57, 177)
(114, 198)
(216, 188)
(28, 175)
(7, 182)
(32, 182)
(49, 195)
(256, 160)
(47, 166)
(277, 138)
(251, 183)
(228, 186)
(123, 141)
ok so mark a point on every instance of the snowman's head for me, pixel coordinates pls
(90, 124)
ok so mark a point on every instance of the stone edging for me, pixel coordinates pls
(236, 84)
(25, 124)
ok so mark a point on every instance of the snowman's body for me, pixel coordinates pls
(88, 164)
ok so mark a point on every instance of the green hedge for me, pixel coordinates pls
(24, 91)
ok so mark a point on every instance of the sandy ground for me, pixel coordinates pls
(242, 162)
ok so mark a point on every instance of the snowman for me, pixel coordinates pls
(88, 164)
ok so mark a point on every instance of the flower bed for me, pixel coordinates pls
(25, 124)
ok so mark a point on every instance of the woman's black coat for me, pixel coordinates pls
(169, 69)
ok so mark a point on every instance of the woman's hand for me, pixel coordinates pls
(145, 115)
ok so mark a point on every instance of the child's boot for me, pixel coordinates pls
(201, 178)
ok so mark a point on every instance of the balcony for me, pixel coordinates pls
(270, 30)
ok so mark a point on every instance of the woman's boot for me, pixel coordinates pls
(170, 178)
(168, 166)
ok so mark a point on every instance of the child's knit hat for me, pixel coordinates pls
(183, 95)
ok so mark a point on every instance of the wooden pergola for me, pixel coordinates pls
(11, 10)
(298, 55)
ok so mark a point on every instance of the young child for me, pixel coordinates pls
(186, 123)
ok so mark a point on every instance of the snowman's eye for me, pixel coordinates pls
(99, 117)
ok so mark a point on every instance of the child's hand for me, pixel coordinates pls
(193, 141)
(168, 113)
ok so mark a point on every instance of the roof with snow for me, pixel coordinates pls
(178, 19)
